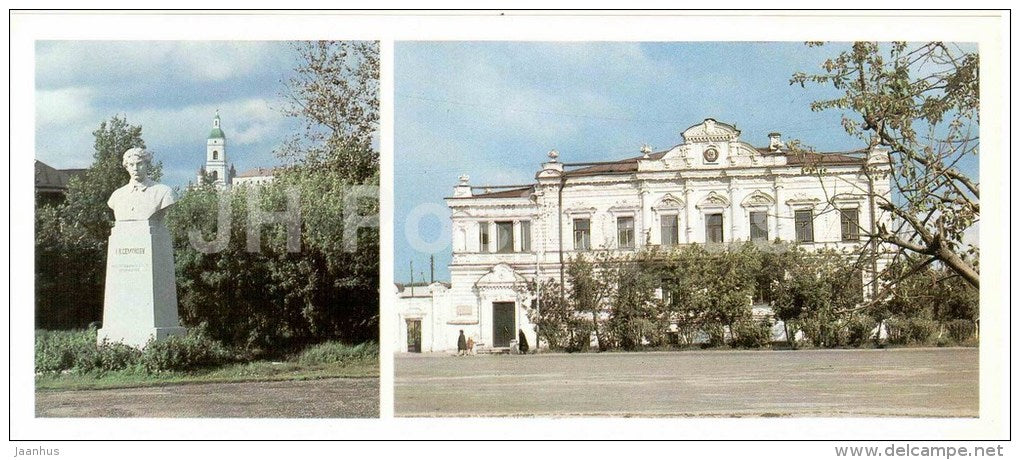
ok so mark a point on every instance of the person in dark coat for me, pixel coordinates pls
(461, 343)
(522, 341)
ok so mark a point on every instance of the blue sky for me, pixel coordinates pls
(493, 110)
(171, 89)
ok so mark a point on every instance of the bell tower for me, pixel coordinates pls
(216, 156)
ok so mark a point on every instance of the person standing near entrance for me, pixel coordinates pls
(461, 344)
(522, 341)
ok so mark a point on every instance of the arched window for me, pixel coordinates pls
(215, 154)
(215, 175)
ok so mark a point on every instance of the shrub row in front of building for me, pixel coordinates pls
(749, 296)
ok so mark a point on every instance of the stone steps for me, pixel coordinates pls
(483, 350)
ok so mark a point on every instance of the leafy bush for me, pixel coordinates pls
(904, 331)
(921, 330)
(960, 330)
(108, 357)
(716, 335)
(77, 351)
(57, 351)
(336, 352)
(858, 330)
(192, 351)
(751, 334)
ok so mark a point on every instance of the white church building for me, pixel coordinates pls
(713, 187)
(216, 170)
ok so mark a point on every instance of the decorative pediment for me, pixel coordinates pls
(711, 131)
(580, 212)
(501, 275)
(848, 199)
(668, 201)
(624, 210)
(714, 200)
(742, 148)
(758, 198)
(802, 200)
(413, 313)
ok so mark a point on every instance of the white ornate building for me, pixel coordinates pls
(712, 188)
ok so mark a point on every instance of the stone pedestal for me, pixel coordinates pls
(141, 291)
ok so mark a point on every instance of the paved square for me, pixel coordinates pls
(891, 382)
(321, 398)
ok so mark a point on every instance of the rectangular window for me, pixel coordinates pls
(625, 231)
(804, 223)
(849, 223)
(713, 228)
(667, 286)
(759, 226)
(582, 234)
(669, 230)
(483, 237)
(525, 236)
(504, 237)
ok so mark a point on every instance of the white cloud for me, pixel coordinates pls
(65, 119)
(125, 62)
(244, 121)
(65, 105)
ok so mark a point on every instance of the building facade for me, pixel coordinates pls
(255, 177)
(713, 188)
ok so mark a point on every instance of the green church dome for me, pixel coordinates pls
(216, 132)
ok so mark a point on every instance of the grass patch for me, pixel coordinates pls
(243, 372)
(336, 352)
(71, 360)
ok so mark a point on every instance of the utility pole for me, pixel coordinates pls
(411, 284)
(432, 268)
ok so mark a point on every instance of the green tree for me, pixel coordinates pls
(818, 293)
(921, 103)
(71, 237)
(276, 299)
(732, 284)
(334, 91)
(686, 276)
(634, 313)
(558, 324)
(773, 281)
(591, 289)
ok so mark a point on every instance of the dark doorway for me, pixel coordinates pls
(503, 325)
(414, 335)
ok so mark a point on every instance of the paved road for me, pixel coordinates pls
(325, 398)
(897, 382)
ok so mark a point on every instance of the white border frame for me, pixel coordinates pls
(989, 29)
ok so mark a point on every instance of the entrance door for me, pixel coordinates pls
(503, 324)
(414, 335)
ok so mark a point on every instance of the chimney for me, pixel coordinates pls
(775, 142)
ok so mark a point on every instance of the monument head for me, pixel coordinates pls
(138, 162)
